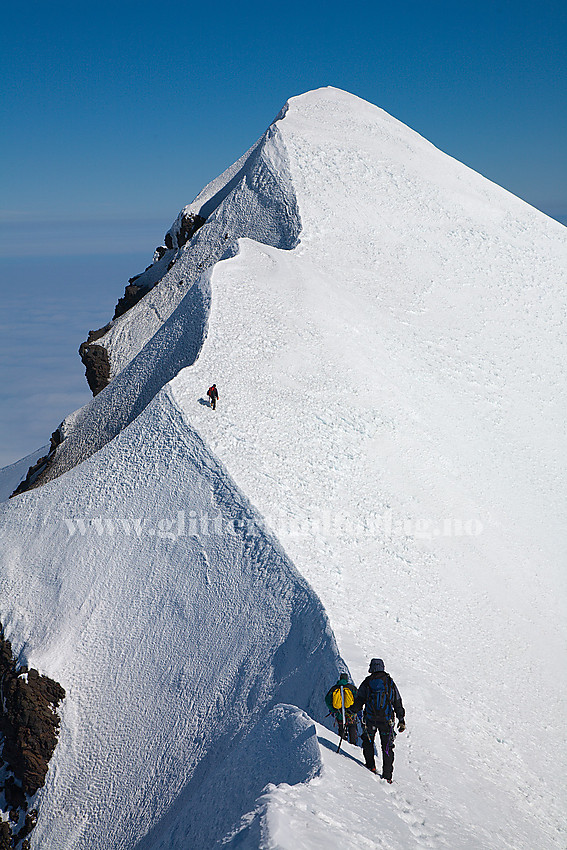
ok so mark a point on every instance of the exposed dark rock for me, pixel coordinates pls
(29, 823)
(55, 440)
(15, 798)
(29, 724)
(132, 294)
(40, 465)
(31, 476)
(95, 359)
(97, 367)
(190, 223)
(94, 335)
(28, 727)
(183, 231)
(5, 836)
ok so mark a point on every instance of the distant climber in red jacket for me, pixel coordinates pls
(213, 394)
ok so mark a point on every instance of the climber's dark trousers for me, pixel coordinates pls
(387, 735)
(352, 731)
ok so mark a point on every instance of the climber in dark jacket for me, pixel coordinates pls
(382, 703)
(213, 394)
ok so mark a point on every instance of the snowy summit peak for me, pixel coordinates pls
(385, 329)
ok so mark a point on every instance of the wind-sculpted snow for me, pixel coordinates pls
(164, 332)
(392, 401)
(176, 344)
(172, 643)
(281, 748)
(147, 346)
(254, 198)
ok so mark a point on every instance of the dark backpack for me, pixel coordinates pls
(379, 702)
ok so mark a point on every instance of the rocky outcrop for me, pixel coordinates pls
(6, 842)
(95, 360)
(95, 357)
(186, 225)
(29, 727)
(40, 465)
(132, 294)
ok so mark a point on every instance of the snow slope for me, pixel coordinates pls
(344, 805)
(172, 642)
(150, 343)
(254, 198)
(404, 365)
(386, 332)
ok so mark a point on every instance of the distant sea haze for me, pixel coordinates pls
(49, 305)
(59, 279)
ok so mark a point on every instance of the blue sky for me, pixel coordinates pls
(128, 108)
(116, 114)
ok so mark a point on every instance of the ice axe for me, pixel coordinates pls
(344, 717)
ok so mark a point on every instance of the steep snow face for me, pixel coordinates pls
(148, 586)
(253, 198)
(281, 749)
(391, 398)
(150, 343)
(175, 344)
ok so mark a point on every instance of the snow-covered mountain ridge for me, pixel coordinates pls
(171, 651)
(254, 198)
(385, 329)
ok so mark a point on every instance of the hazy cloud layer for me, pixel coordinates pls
(28, 235)
(49, 305)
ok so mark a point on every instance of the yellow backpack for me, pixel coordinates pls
(349, 699)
